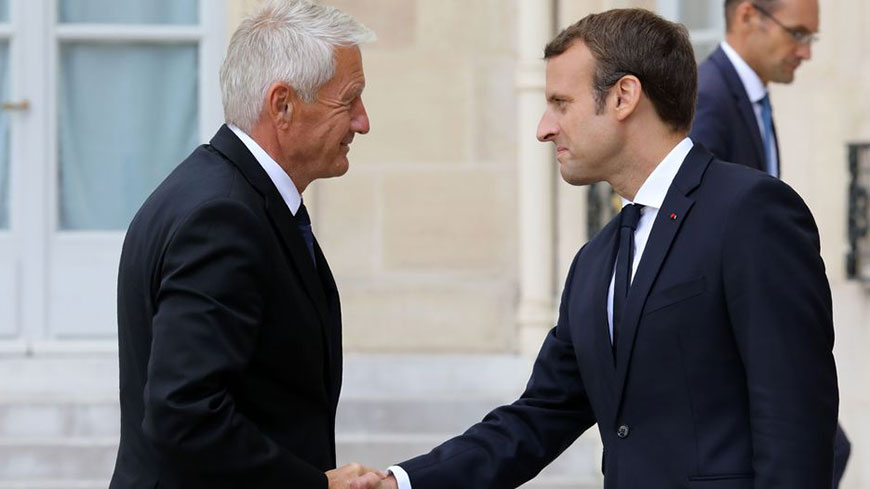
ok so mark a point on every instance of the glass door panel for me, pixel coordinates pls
(4, 135)
(127, 116)
(128, 11)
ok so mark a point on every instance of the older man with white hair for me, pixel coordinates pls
(228, 316)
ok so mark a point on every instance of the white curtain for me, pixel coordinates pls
(128, 111)
(128, 114)
(128, 11)
(4, 136)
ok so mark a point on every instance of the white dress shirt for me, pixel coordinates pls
(279, 177)
(651, 195)
(756, 91)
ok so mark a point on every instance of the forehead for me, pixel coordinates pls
(348, 74)
(799, 13)
(570, 71)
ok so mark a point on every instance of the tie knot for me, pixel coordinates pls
(630, 215)
(302, 215)
(765, 102)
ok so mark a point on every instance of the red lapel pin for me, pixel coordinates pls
(673, 216)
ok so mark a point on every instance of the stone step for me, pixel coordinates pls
(55, 484)
(102, 419)
(83, 461)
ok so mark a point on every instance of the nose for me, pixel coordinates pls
(805, 51)
(547, 128)
(359, 119)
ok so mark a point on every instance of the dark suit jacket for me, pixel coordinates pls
(725, 122)
(230, 338)
(724, 377)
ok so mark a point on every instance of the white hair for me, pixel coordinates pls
(291, 41)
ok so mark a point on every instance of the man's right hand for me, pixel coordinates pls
(372, 481)
(344, 476)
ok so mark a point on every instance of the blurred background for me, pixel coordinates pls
(449, 237)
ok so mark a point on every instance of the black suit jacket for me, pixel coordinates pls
(724, 377)
(725, 122)
(230, 337)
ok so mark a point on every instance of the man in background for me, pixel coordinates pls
(228, 316)
(766, 41)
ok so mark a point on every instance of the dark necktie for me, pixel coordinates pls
(304, 223)
(767, 136)
(628, 223)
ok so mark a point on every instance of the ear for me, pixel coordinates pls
(627, 93)
(743, 14)
(281, 100)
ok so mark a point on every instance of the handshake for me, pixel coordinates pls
(356, 476)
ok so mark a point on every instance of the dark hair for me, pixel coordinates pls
(640, 43)
(731, 6)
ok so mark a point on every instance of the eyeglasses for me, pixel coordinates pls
(799, 36)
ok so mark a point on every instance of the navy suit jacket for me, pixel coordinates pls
(725, 122)
(230, 337)
(724, 377)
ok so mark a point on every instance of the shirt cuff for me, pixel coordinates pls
(401, 476)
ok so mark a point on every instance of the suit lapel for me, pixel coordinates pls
(332, 334)
(280, 216)
(602, 277)
(667, 224)
(744, 105)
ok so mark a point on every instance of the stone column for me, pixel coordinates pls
(535, 167)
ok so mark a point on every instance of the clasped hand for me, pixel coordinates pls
(357, 476)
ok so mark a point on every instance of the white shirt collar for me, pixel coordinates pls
(753, 85)
(279, 177)
(654, 189)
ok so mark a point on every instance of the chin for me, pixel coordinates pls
(341, 167)
(574, 179)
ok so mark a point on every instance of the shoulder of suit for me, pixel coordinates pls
(205, 175)
(711, 80)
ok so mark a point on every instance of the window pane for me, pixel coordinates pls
(4, 10)
(696, 14)
(4, 136)
(128, 115)
(129, 11)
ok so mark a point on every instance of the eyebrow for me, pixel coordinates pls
(355, 91)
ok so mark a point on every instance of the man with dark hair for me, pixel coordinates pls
(766, 41)
(694, 329)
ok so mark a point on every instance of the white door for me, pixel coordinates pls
(12, 110)
(119, 92)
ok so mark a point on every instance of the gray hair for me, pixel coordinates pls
(291, 41)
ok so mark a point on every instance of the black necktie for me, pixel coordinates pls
(304, 223)
(628, 223)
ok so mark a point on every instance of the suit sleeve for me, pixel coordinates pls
(779, 302)
(514, 443)
(209, 305)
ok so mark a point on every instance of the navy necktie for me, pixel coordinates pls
(767, 136)
(628, 218)
(304, 223)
